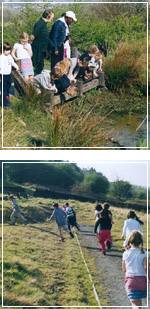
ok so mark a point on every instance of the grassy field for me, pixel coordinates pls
(40, 270)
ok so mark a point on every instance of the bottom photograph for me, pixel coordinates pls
(75, 234)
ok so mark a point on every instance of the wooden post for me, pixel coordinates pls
(80, 87)
(102, 79)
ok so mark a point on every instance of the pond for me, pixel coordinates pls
(128, 131)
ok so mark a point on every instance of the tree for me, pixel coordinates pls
(95, 182)
(122, 189)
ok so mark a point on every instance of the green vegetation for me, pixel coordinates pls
(122, 189)
(92, 182)
(88, 121)
(67, 178)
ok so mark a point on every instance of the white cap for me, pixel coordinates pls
(71, 15)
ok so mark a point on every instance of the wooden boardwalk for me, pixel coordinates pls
(52, 99)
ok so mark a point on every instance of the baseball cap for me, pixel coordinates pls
(71, 15)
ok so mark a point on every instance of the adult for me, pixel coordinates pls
(59, 35)
(40, 40)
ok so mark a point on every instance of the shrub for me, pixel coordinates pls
(126, 67)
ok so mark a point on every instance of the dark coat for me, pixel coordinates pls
(40, 43)
(57, 35)
(104, 221)
(41, 34)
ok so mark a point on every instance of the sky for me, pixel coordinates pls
(134, 172)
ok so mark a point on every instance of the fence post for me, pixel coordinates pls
(102, 79)
(80, 87)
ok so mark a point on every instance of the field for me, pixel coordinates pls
(42, 271)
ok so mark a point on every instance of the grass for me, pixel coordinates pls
(93, 116)
(40, 270)
(49, 273)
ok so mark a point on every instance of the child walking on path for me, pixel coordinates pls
(134, 264)
(60, 218)
(132, 223)
(16, 213)
(22, 52)
(6, 64)
(71, 218)
(104, 236)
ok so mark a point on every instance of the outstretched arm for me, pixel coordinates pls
(52, 215)
(124, 231)
(96, 225)
(123, 266)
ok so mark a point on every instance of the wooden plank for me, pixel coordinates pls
(57, 99)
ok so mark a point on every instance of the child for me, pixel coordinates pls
(107, 211)
(60, 218)
(6, 64)
(134, 263)
(96, 63)
(132, 223)
(22, 52)
(98, 209)
(71, 219)
(104, 235)
(16, 213)
(44, 79)
(83, 63)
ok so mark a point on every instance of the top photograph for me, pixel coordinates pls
(74, 75)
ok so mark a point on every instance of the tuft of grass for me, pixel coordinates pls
(84, 122)
(127, 66)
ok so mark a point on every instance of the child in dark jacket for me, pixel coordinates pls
(104, 235)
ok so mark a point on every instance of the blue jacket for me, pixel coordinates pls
(57, 35)
(60, 216)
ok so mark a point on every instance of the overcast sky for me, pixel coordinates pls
(134, 172)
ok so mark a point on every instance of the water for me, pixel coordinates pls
(125, 133)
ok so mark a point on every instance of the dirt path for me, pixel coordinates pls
(108, 266)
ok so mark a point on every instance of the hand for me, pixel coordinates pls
(56, 52)
(48, 220)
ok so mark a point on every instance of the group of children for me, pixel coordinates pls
(134, 260)
(65, 218)
(19, 57)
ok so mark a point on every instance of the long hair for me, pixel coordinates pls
(136, 239)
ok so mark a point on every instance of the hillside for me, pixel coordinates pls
(68, 181)
(40, 270)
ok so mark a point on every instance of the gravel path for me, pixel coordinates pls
(108, 266)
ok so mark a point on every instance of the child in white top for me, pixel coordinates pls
(96, 63)
(132, 223)
(6, 64)
(22, 52)
(134, 264)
